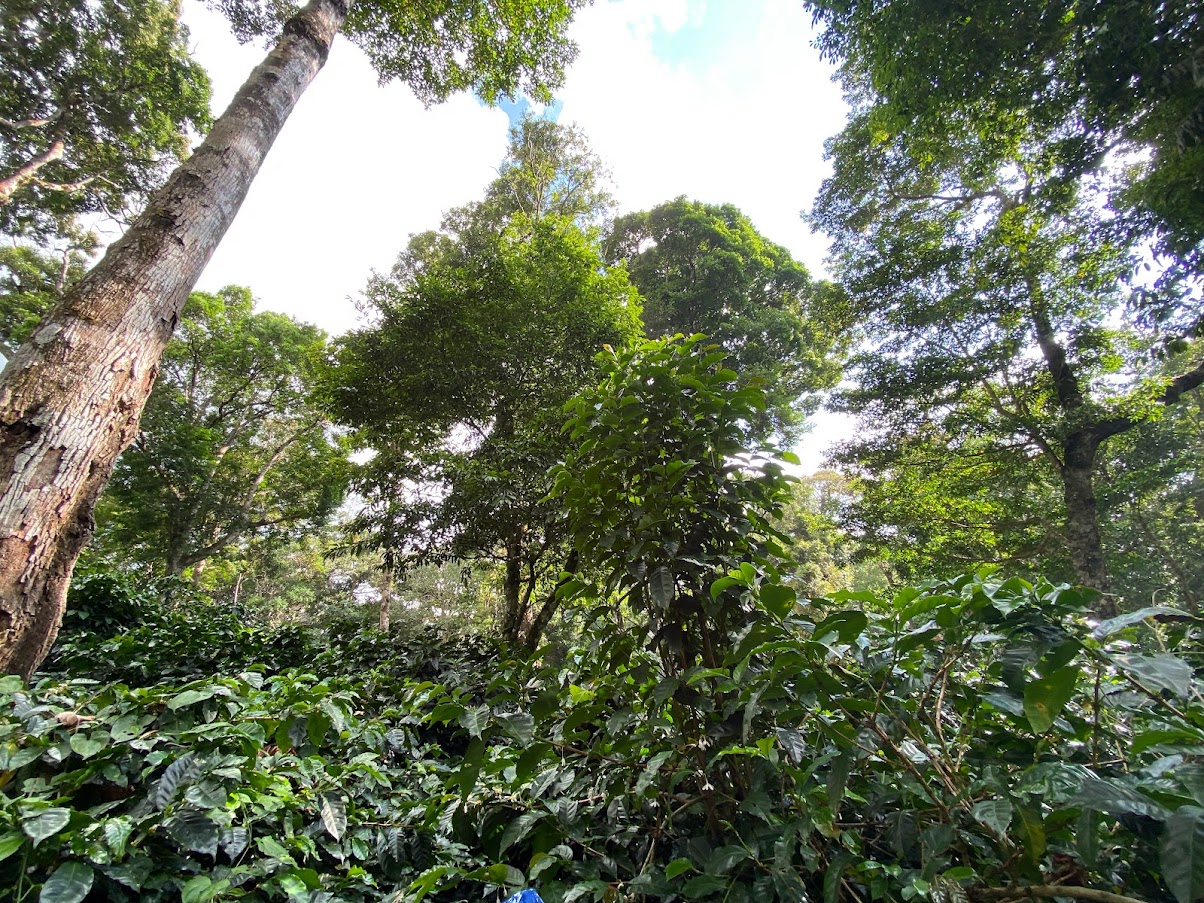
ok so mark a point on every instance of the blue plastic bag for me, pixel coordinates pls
(525, 896)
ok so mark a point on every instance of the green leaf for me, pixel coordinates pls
(46, 823)
(519, 828)
(792, 741)
(10, 843)
(426, 882)
(334, 815)
(474, 720)
(703, 886)
(194, 831)
(1031, 832)
(1115, 625)
(519, 725)
(846, 625)
(1182, 854)
(1045, 697)
(996, 814)
(188, 697)
(721, 860)
(660, 584)
(84, 745)
(677, 867)
(10, 684)
(182, 771)
(778, 600)
(70, 883)
(1159, 672)
(1116, 799)
(117, 833)
(502, 874)
(718, 587)
(648, 775)
(197, 890)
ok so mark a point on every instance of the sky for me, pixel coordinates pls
(723, 101)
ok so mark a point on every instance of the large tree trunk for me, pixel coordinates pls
(71, 398)
(1084, 540)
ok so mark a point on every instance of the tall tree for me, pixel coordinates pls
(96, 106)
(233, 445)
(703, 268)
(550, 170)
(71, 398)
(991, 283)
(480, 337)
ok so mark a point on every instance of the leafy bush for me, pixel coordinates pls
(979, 735)
(119, 631)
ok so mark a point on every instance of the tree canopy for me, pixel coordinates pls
(234, 445)
(1092, 81)
(99, 101)
(704, 268)
(478, 338)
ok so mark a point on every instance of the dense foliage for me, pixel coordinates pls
(965, 734)
(97, 106)
(704, 268)
(234, 446)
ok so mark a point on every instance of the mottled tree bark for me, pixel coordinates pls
(1084, 540)
(71, 398)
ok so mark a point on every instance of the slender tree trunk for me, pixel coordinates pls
(512, 618)
(71, 397)
(386, 597)
(538, 625)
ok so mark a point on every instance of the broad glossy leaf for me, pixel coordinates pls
(87, 745)
(117, 833)
(519, 828)
(10, 843)
(1045, 697)
(182, 771)
(846, 625)
(194, 831)
(70, 883)
(996, 814)
(1182, 854)
(1031, 831)
(46, 823)
(1158, 672)
(677, 867)
(189, 697)
(1115, 625)
(778, 600)
(519, 725)
(334, 815)
(1115, 798)
(792, 741)
(660, 584)
(474, 720)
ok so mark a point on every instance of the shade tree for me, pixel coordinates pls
(100, 101)
(704, 268)
(478, 339)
